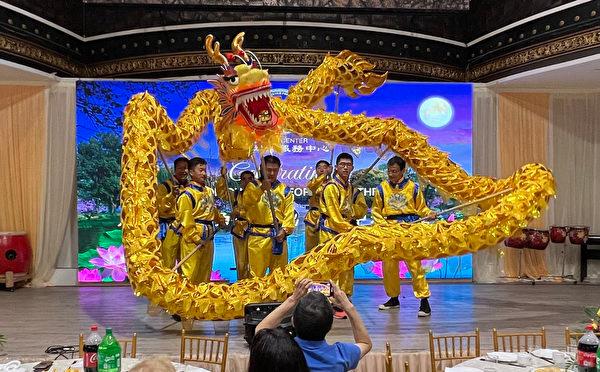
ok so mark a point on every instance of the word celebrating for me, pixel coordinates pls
(304, 173)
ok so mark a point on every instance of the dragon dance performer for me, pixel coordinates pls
(399, 200)
(197, 215)
(341, 206)
(267, 248)
(311, 220)
(166, 197)
(239, 230)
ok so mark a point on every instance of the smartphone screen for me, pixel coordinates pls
(323, 287)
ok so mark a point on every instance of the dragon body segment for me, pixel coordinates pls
(244, 115)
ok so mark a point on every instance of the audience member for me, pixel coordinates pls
(274, 350)
(161, 364)
(312, 319)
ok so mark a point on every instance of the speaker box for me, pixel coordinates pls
(255, 313)
(15, 253)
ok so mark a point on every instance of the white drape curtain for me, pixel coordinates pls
(487, 264)
(575, 161)
(58, 183)
(573, 155)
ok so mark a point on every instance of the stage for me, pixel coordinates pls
(33, 319)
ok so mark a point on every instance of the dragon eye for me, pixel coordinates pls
(233, 80)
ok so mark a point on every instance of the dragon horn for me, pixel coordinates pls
(236, 46)
(215, 54)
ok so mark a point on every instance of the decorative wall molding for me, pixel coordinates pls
(385, 4)
(200, 63)
(35, 53)
(565, 45)
(308, 59)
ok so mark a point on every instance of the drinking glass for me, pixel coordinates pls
(524, 359)
(559, 359)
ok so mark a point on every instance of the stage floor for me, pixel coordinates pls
(33, 319)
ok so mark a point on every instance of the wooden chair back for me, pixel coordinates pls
(516, 342)
(389, 367)
(453, 347)
(201, 349)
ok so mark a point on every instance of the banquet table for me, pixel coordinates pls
(486, 364)
(76, 365)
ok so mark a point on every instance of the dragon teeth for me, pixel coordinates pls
(251, 97)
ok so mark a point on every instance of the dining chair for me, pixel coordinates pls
(388, 358)
(128, 346)
(389, 366)
(572, 339)
(453, 347)
(516, 342)
(201, 349)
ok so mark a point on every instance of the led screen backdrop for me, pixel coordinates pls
(439, 110)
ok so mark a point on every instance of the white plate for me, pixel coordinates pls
(12, 366)
(544, 353)
(462, 369)
(503, 356)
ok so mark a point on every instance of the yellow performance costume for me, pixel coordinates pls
(513, 201)
(311, 220)
(401, 202)
(261, 228)
(239, 230)
(340, 206)
(166, 199)
(197, 215)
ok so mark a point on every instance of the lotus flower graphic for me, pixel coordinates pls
(112, 260)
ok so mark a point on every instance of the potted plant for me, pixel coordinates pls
(593, 315)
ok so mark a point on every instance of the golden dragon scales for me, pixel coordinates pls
(244, 114)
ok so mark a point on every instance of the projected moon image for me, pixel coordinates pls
(436, 112)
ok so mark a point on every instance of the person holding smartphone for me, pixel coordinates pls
(399, 200)
(312, 319)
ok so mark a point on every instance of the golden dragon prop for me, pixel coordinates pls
(242, 111)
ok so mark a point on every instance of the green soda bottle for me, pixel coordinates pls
(109, 353)
(598, 360)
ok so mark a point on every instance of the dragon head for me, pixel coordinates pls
(244, 89)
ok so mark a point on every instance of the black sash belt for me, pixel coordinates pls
(262, 226)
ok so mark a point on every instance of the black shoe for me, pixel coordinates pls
(392, 303)
(424, 309)
(176, 317)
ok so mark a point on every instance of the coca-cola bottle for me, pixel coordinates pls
(90, 350)
(586, 351)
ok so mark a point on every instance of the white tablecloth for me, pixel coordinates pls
(61, 365)
(484, 364)
(491, 366)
